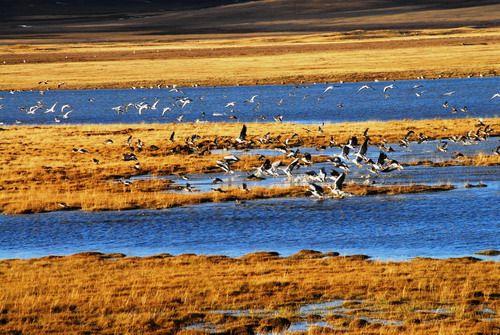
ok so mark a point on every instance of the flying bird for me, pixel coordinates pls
(252, 99)
(496, 95)
(329, 88)
(365, 87)
(243, 134)
(388, 87)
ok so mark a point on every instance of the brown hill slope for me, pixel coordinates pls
(139, 19)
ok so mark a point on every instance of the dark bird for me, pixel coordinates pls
(292, 166)
(353, 142)
(339, 182)
(217, 180)
(231, 159)
(363, 149)
(130, 156)
(224, 166)
(244, 187)
(442, 146)
(345, 151)
(316, 190)
(382, 157)
(422, 138)
(187, 187)
(80, 150)
(243, 134)
(307, 159)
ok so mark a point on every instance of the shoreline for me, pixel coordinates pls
(166, 200)
(476, 256)
(94, 179)
(282, 81)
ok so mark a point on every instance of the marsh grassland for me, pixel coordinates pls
(42, 170)
(97, 293)
(71, 45)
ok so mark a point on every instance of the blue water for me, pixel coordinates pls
(307, 104)
(445, 224)
(458, 175)
(453, 223)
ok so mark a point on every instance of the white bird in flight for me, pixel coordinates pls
(165, 110)
(51, 109)
(329, 88)
(64, 107)
(496, 95)
(141, 108)
(448, 94)
(252, 99)
(388, 87)
(33, 109)
(184, 102)
(365, 87)
(153, 107)
(230, 104)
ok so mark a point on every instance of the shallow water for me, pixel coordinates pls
(415, 152)
(321, 308)
(307, 104)
(303, 326)
(445, 224)
(457, 175)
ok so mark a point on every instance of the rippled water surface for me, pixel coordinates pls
(411, 174)
(452, 223)
(306, 104)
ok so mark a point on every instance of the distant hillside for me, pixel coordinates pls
(91, 18)
(16, 8)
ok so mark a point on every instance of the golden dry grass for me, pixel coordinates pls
(484, 160)
(43, 199)
(39, 170)
(480, 159)
(254, 59)
(108, 294)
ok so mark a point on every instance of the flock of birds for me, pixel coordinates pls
(177, 104)
(321, 183)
